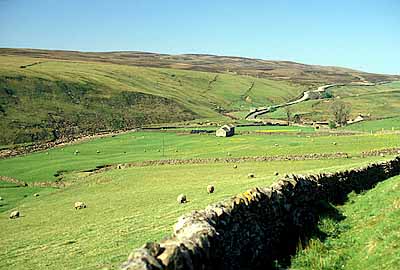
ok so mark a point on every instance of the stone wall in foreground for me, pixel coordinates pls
(258, 227)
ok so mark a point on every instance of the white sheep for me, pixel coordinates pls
(79, 205)
(181, 198)
(210, 189)
(14, 214)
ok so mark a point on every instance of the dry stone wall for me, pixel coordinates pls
(258, 227)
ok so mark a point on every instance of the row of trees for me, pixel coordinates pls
(339, 110)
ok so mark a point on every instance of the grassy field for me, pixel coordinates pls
(14, 195)
(125, 209)
(67, 97)
(140, 146)
(131, 206)
(246, 129)
(368, 237)
(388, 124)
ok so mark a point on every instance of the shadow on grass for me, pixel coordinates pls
(299, 239)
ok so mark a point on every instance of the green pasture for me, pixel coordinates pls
(126, 208)
(13, 195)
(388, 124)
(140, 146)
(292, 128)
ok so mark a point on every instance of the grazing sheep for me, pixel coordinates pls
(79, 205)
(119, 166)
(210, 189)
(276, 144)
(98, 151)
(76, 152)
(1, 198)
(181, 198)
(229, 154)
(36, 195)
(276, 173)
(235, 166)
(250, 175)
(382, 154)
(14, 214)
(334, 143)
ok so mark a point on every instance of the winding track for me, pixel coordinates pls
(307, 95)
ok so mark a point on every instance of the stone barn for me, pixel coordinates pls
(359, 118)
(225, 131)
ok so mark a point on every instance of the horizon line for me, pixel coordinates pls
(198, 54)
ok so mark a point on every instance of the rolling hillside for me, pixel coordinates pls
(279, 70)
(47, 95)
(374, 102)
(53, 98)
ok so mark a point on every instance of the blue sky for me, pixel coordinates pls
(358, 34)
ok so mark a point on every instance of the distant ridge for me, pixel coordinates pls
(278, 70)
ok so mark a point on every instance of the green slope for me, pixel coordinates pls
(388, 124)
(368, 237)
(281, 70)
(141, 146)
(58, 98)
(380, 101)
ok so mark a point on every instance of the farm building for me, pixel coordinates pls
(359, 118)
(225, 131)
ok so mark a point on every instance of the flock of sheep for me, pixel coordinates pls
(181, 198)
(210, 188)
(16, 214)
